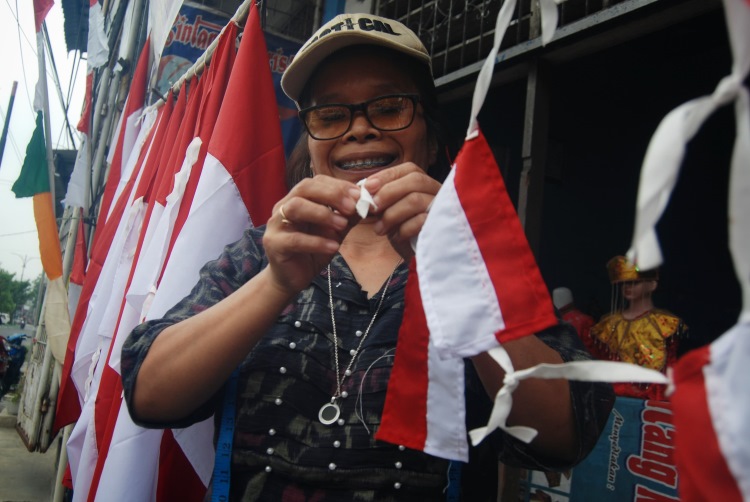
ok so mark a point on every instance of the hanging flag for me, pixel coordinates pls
(470, 305)
(41, 8)
(69, 398)
(97, 50)
(710, 402)
(127, 133)
(172, 195)
(478, 288)
(239, 184)
(34, 182)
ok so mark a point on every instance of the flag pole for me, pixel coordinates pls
(45, 114)
(7, 120)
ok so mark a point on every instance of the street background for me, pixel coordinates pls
(24, 476)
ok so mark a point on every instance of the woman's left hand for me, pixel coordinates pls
(403, 195)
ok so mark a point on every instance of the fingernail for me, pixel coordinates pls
(354, 192)
(378, 227)
(347, 204)
(372, 184)
(339, 221)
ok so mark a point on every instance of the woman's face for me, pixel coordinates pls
(352, 78)
(635, 290)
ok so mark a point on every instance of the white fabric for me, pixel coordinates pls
(454, 283)
(57, 318)
(76, 195)
(97, 46)
(161, 17)
(216, 200)
(130, 156)
(94, 342)
(586, 371)
(549, 16)
(445, 399)
(365, 201)
(667, 147)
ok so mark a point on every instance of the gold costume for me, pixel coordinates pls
(643, 341)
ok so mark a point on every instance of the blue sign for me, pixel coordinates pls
(632, 461)
(280, 54)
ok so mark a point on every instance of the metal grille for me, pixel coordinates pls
(458, 33)
(294, 19)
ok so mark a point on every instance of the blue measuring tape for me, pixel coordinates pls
(223, 460)
(454, 482)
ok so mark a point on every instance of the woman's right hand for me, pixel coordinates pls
(319, 212)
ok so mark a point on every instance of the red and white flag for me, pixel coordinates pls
(477, 285)
(170, 462)
(710, 401)
(141, 452)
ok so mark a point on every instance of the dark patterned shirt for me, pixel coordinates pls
(281, 449)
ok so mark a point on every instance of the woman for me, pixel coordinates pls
(318, 277)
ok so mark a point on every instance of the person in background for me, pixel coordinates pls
(635, 331)
(562, 298)
(309, 305)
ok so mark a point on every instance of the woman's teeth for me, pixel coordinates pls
(365, 163)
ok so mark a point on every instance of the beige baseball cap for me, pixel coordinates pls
(345, 30)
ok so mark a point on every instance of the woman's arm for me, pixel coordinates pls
(189, 361)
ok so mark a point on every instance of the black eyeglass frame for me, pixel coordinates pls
(353, 108)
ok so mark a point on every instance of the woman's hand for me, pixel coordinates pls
(403, 195)
(319, 212)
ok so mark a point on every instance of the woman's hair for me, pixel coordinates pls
(298, 164)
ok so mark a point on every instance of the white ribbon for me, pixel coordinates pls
(548, 12)
(667, 147)
(365, 201)
(584, 371)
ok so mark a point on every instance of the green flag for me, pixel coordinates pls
(34, 177)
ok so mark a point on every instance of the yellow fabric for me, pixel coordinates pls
(49, 240)
(641, 341)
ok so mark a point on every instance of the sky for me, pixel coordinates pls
(18, 237)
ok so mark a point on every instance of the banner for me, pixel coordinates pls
(192, 32)
(632, 461)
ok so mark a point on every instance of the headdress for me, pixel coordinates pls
(621, 269)
(345, 30)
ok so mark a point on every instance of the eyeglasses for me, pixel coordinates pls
(385, 113)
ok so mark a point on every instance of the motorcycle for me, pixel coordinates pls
(12, 356)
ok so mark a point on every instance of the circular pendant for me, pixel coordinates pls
(329, 413)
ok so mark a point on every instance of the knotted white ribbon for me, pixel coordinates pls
(585, 371)
(667, 147)
(365, 201)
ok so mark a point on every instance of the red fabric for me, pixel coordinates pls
(136, 99)
(216, 82)
(177, 479)
(84, 123)
(110, 388)
(580, 321)
(522, 295)
(80, 258)
(521, 291)
(256, 161)
(703, 472)
(68, 404)
(406, 403)
(41, 8)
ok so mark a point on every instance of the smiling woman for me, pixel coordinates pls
(309, 307)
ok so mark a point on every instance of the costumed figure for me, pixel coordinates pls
(563, 300)
(636, 332)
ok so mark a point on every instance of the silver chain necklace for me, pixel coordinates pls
(330, 412)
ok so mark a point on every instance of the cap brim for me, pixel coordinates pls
(298, 73)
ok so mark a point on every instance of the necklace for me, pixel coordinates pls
(331, 411)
